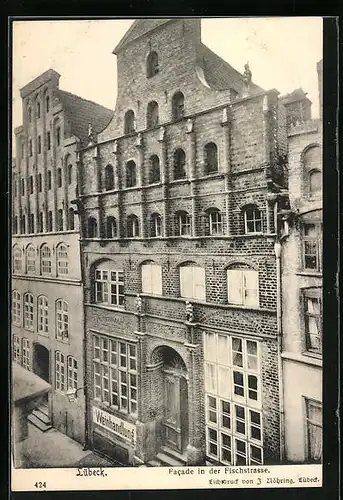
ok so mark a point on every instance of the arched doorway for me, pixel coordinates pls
(41, 362)
(175, 397)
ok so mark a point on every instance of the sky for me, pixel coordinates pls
(282, 53)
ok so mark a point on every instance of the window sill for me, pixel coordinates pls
(108, 307)
(308, 272)
(304, 358)
(180, 181)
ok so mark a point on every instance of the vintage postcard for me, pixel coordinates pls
(166, 253)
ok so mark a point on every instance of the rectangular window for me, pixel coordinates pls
(233, 402)
(192, 282)
(152, 279)
(16, 308)
(43, 315)
(72, 373)
(60, 379)
(26, 354)
(109, 287)
(16, 349)
(243, 287)
(314, 430)
(28, 311)
(115, 373)
(313, 320)
(312, 247)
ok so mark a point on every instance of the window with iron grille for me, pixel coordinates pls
(16, 307)
(45, 260)
(115, 373)
(234, 433)
(28, 311)
(312, 247)
(313, 319)
(62, 320)
(72, 373)
(109, 287)
(26, 354)
(62, 260)
(43, 314)
(60, 371)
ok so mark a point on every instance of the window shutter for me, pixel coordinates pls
(234, 285)
(250, 278)
(146, 278)
(198, 283)
(156, 279)
(186, 282)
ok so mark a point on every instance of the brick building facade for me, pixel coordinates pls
(302, 289)
(178, 198)
(47, 295)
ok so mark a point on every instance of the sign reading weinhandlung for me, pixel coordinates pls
(114, 424)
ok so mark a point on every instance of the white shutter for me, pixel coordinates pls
(223, 350)
(156, 279)
(210, 348)
(199, 283)
(146, 278)
(224, 382)
(186, 282)
(234, 285)
(250, 278)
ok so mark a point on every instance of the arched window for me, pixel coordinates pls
(109, 178)
(45, 259)
(214, 222)
(252, 220)
(62, 320)
(59, 177)
(43, 314)
(16, 308)
(152, 64)
(155, 175)
(62, 260)
(92, 228)
(40, 222)
(131, 179)
(152, 115)
(315, 183)
(179, 164)
(31, 259)
(132, 226)
(129, 122)
(192, 282)
(156, 225)
(71, 219)
(70, 174)
(109, 284)
(49, 222)
(182, 222)
(151, 278)
(47, 103)
(111, 227)
(60, 220)
(17, 259)
(28, 311)
(242, 287)
(211, 158)
(178, 106)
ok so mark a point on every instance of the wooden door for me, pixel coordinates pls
(172, 414)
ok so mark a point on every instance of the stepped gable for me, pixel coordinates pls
(82, 112)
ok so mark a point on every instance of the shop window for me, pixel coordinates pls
(312, 247)
(155, 175)
(16, 308)
(129, 122)
(115, 373)
(243, 287)
(28, 311)
(132, 226)
(152, 279)
(31, 259)
(60, 371)
(152, 115)
(156, 225)
(111, 227)
(252, 220)
(313, 319)
(192, 282)
(152, 64)
(211, 158)
(62, 260)
(234, 433)
(314, 430)
(131, 179)
(43, 315)
(109, 286)
(62, 320)
(179, 163)
(178, 106)
(45, 260)
(109, 178)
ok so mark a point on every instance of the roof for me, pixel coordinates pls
(296, 95)
(219, 74)
(81, 113)
(39, 81)
(139, 28)
(26, 385)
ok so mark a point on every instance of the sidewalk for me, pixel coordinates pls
(54, 449)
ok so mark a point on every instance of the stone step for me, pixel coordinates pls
(41, 416)
(44, 409)
(174, 454)
(167, 460)
(37, 422)
(154, 463)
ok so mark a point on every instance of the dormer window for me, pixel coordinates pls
(152, 64)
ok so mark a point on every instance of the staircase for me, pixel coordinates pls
(40, 418)
(168, 457)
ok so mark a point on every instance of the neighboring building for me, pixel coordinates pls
(47, 311)
(302, 291)
(177, 200)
